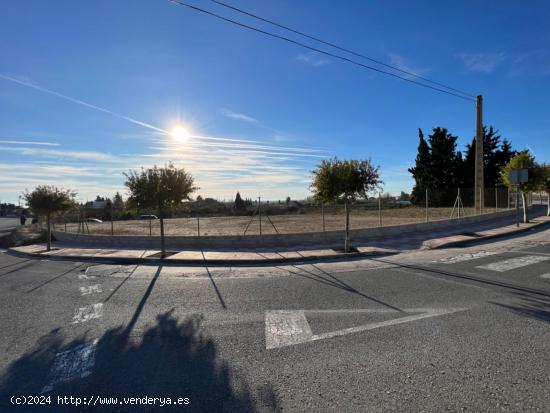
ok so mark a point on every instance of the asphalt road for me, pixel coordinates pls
(457, 329)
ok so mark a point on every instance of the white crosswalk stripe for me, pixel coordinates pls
(514, 263)
(464, 257)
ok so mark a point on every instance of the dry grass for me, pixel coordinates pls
(285, 224)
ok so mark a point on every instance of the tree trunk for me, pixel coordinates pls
(346, 241)
(49, 236)
(524, 202)
(162, 241)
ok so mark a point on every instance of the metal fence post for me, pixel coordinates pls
(481, 201)
(427, 219)
(379, 209)
(150, 227)
(260, 212)
(198, 225)
(323, 214)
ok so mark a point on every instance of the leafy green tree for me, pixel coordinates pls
(118, 203)
(161, 189)
(239, 204)
(49, 201)
(421, 172)
(438, 168)
(495, 157)
(523, 160)
(347, 180)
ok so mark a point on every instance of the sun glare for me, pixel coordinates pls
(180, 134)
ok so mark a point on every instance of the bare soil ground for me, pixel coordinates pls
(283, 224)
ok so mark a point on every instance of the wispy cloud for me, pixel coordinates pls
(18, 142)
(482, 62)
(533, 62)
(401, 63)
(59, 154)
(238, 116)
(221, 165)
(313, 59)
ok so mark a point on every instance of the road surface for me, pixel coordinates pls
(457, 329)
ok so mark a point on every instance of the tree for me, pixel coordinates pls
(239, 204)
(438, 167)
(118, 203)
(421, 172)
(48, 201)
(523, 160)
(160, 188)
(544, 184)
(495, 157)
(287, 201)
(335, 179)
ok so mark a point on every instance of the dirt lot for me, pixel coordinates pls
(284, 224)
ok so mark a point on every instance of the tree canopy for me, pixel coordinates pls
(48, 201)
(161, 189)
(344, 179)
(441, 168)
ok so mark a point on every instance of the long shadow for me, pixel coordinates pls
(55, 278)
(14, 263)
(26, 265)
(467, 277)
(222, 302)
(538, 309)
(334, 282)
(120, 285)
(172, 359)
(142, 302)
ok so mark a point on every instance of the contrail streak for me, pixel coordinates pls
(82, 103)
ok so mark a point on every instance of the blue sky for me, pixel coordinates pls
(91, 89)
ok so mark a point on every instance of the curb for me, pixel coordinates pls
(465, 242)
(211, 263)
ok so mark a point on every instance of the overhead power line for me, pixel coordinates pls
(343, 49)
(330, 54)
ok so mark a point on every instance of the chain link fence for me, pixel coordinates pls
(302, 217)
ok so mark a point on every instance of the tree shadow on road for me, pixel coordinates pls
(529, 306)
(171, 358)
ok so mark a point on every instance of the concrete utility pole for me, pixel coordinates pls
(479, 186)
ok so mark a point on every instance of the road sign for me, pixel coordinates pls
(518, 176)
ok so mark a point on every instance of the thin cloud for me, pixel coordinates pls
(17, 142)
(54, 153)
(482, 62)
(313, 59)
(401, 63)
(238, 116)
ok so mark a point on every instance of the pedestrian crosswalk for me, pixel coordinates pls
(514, 263)
(499, 263)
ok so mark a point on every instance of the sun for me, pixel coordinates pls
(180, 134)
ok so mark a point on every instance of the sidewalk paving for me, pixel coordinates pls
(450, 237)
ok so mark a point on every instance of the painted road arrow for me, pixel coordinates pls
(290, 327)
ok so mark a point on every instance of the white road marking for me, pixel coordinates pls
(96, 288)
(514, 263)
(75, 363)
(83, 276)
(290, 327)
(88, 313)
(464, 257)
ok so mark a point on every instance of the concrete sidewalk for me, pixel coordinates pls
(374, 247)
